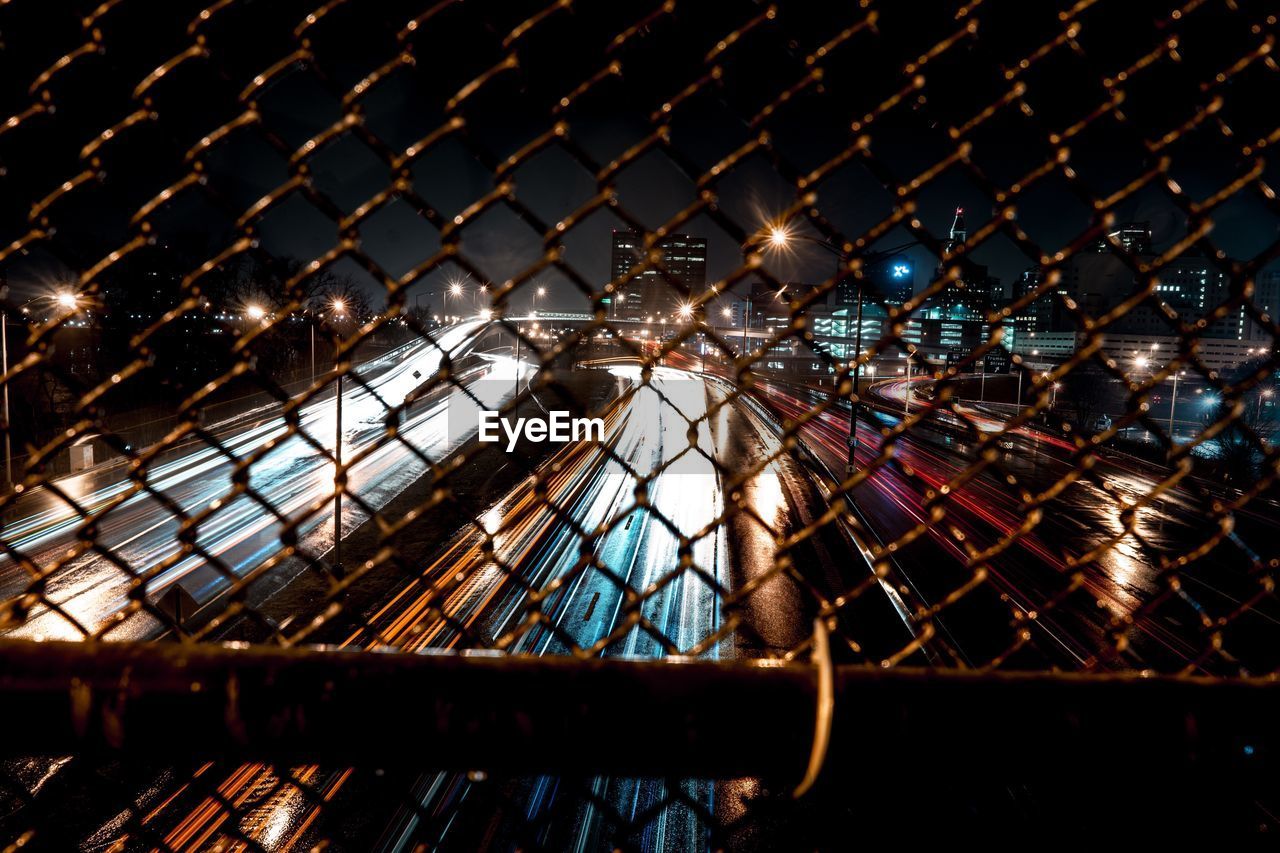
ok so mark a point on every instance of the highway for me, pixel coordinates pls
(577, 566)
(287, 472)
(1048, 600)
(464, 597)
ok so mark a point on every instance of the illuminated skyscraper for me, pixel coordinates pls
(971, 296)
(652, 294)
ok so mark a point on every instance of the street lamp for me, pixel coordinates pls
(457, 291)
(255, 312)
(338, 306)
(1053, 401)
(906, 396)
(1173, 402)
(1142, 362)
(8, 427)
(779, 237)
(1264, 394)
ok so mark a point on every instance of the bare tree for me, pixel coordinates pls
(1085, 391)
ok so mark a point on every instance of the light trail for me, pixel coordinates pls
(291, 475)
(462, 590)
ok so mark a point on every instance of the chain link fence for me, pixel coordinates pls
(248, 201)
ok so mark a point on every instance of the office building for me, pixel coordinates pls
(1266, 298)
(652, 293)
(771, 306)
(971, 296)
(887, 277)
(1135, 237)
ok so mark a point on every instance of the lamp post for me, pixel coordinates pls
(906, 394)
(1173, 403)
(1265, 394)
(780, 238)
(517, 365)
(1017, 403)
(338, 307)
(1142, 362)
(69, 301)
(686, 314)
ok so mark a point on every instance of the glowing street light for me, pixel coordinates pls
(1173, 402)
(779, 237)
(255, 312)
(338, 306)
(686, 311)
(1046, 376)
(66, 299)
(906, 396)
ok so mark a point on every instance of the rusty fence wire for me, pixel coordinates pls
(195, 203)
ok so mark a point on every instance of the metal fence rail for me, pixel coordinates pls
(192, 195)
(513, 714)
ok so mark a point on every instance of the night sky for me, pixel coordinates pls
(464, 40)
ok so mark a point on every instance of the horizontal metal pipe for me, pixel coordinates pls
(614, 716)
